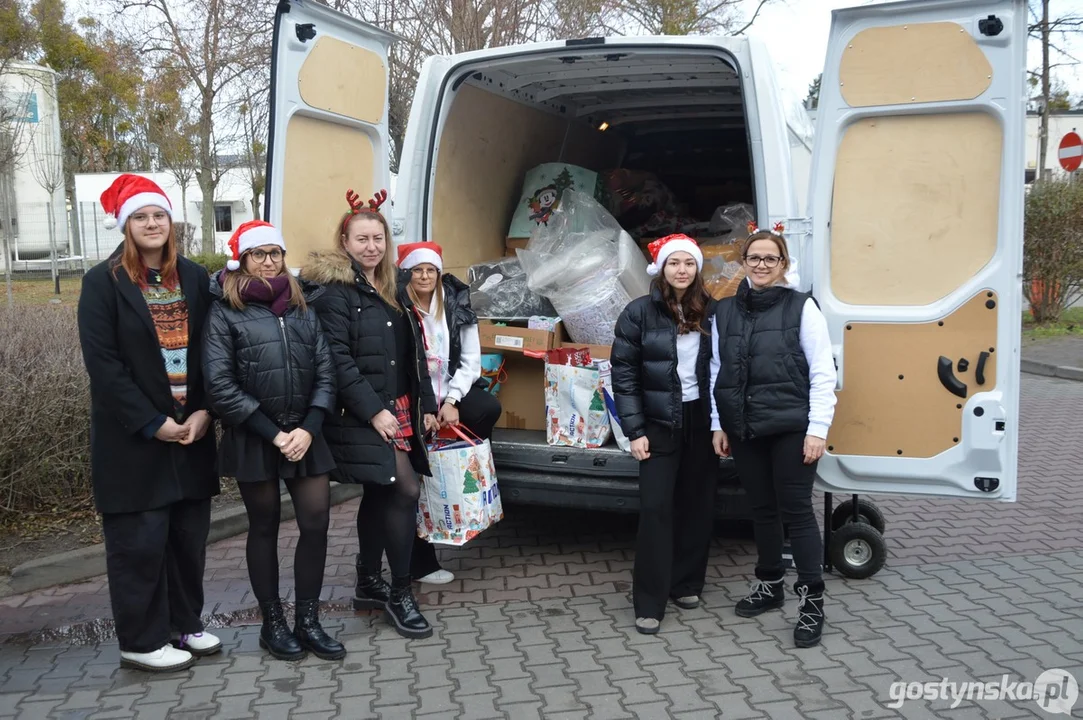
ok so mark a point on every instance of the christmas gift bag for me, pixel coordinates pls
(605, 371)
(462, 497)
(543, 188)
(576, 415)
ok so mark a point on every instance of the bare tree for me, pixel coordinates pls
(683, 17)
(254, 112)
(213, 43)
(14, 108)
(47, 167)
(1046, 31)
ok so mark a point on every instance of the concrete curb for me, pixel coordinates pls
(83, 563)
(1064, 372)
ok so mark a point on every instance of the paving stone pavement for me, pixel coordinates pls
(539, 623)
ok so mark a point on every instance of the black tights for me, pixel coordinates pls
(387, 520)
(311, 500)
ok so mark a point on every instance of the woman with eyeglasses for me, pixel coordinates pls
(271, 379)
(449, 329)
(773, 379)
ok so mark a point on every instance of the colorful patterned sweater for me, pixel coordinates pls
(169, 311)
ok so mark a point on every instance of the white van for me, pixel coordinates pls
(913, 244)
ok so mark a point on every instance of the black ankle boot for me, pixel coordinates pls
(810, 614)
(372, 591)
(765, 595)
(275, 636)
(311, 635)
(402, 611)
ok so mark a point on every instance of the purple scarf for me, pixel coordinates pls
(277, 297)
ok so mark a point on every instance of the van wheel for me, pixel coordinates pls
(857, 550)
(866, 513)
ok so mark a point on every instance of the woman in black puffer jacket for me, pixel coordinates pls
(661, 362)
(385, 405)
(271, 379)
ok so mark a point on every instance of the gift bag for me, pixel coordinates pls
(605, 371)
(462, 497)
(576, 415)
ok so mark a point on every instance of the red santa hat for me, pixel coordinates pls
(251, 235)
(127, 194)
(413, 254)
(662, 248)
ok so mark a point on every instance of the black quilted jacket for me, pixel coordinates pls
(645, 383)
(255, 360)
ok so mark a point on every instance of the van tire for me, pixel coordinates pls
(867, 513)
(857, 550)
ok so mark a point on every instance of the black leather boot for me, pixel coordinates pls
(810, 614)
(402, 611)
(275, 636)
(372, 591)
(766, 594)
(310, 633)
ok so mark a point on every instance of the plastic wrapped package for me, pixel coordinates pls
(499, 291)
(590, 316)
(722, 269)
(729, 224)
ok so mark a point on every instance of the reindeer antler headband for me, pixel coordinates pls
(776, 230)
(358, 206)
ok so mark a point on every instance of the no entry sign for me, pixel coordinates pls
(1071, 152)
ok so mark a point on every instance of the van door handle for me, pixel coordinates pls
(979, 371)
(559, 459)
(945, 372)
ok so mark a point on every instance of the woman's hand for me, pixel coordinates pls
(297, 443)
(385, 424)
(431, 423)
(721, 443)
(814, 448)
(195, 427)
(171, 431)
(641, 448)
(449, 415)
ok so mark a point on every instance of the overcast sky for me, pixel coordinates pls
(798, 31)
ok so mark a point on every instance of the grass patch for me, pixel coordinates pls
(1071, 323)
(41, 291)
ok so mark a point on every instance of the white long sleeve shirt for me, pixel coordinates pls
(447, 382)
(823, 378)
(687, 356)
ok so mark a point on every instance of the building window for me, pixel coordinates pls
(223, 218)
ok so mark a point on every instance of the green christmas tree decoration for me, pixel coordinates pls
(596, 404)
(471, 483)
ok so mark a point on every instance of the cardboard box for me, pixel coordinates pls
(514, 244)
(522, 395)
(507, 339)
(597, 352)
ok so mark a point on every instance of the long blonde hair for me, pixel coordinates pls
(386, 275)
(236, 284)
(438, 293)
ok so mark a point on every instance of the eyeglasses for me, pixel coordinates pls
(768, 261)
(261, 255)
(424, 272)
(144, 218)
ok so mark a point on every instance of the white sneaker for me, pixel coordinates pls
(199, 644)
(647, 626)
(440, 577)
(164, 659)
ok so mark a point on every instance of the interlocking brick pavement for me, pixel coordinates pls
(539, 622)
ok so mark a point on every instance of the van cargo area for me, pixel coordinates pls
(675, 112)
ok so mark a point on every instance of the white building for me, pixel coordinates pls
(28, 94)
(232, 206)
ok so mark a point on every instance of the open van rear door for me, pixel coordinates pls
(329, 121)
(917, 237)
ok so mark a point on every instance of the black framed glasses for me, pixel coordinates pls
(261, 255)
(768, 261)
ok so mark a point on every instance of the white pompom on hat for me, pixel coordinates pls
(251, 235)
(127, 194)
(662, 248)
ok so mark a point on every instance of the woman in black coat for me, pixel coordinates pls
(661, 361)
(271, 379)
(385, 405)
(141, 316)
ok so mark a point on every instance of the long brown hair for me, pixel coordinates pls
(236, 284)
(132, 261)
(692, 306)
(780, 243)
(386, 275)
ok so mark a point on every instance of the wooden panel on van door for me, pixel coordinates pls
(344, 79)
(922, 63)
(896, 399)
(915, 207)
(323, 159)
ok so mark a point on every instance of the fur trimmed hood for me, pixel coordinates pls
(327, 267)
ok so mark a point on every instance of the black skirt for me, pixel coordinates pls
(246, 456)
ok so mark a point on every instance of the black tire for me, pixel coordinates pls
(857, 550)
(866, 513)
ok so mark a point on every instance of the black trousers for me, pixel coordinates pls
(779, 489)
(479, 411)
(677, 486)
(154, 562)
